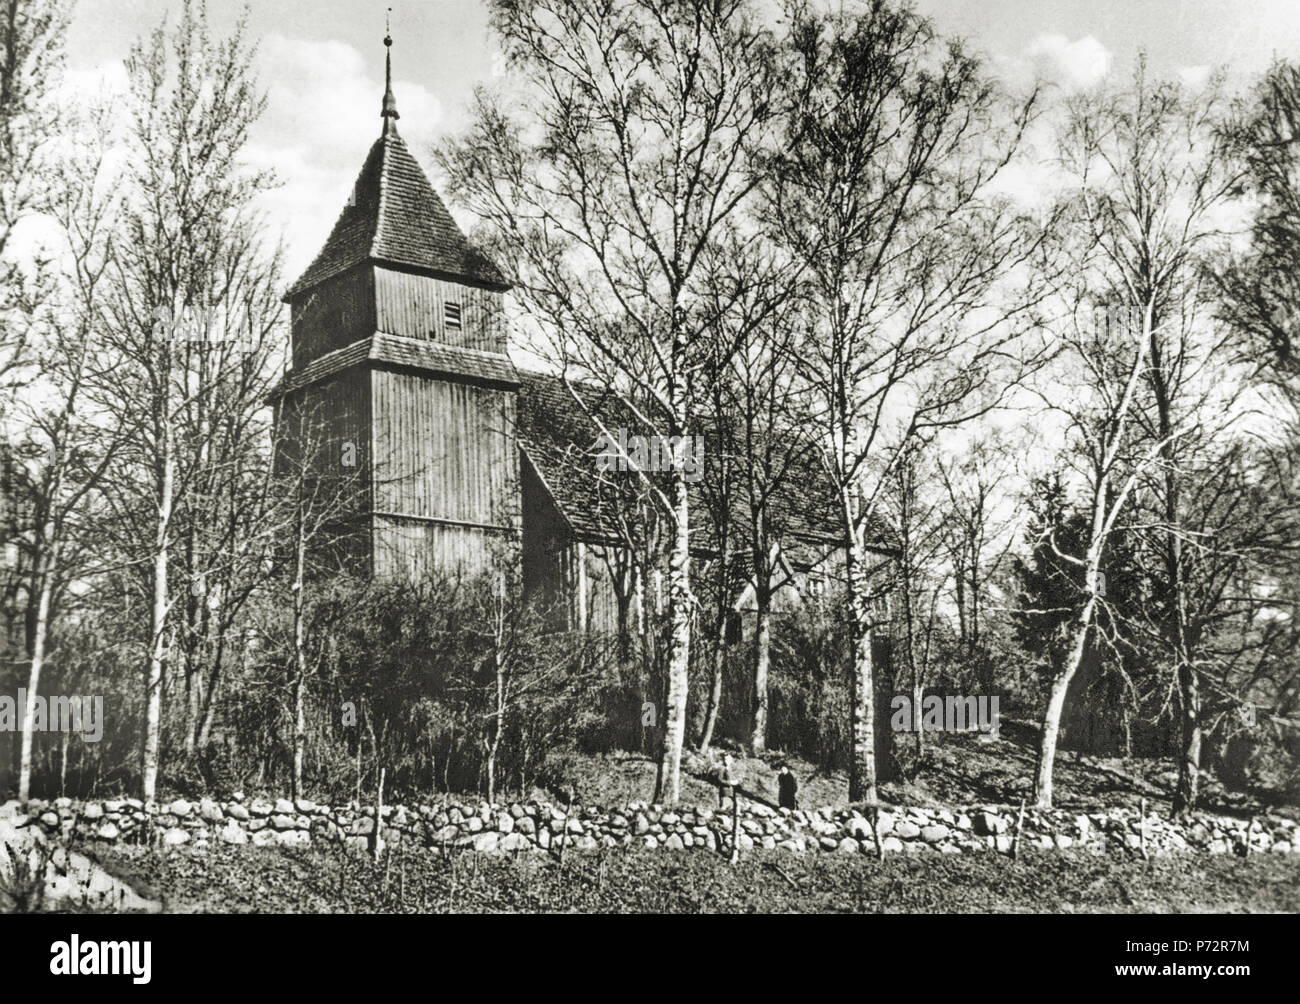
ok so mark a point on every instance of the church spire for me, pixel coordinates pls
(389, 114)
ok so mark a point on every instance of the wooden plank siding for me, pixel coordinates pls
(332, 418)
(333, 315)
(411, 549)
(443, 450)
(414, 306)
(446, 473)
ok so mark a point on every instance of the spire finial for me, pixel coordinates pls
(389, 113)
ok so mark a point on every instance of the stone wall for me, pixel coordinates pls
(540, 826)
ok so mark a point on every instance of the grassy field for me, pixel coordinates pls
(319, 880)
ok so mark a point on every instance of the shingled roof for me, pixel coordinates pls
(395, 217)
(431, 358)
(559, 439)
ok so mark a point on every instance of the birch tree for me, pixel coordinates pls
(189, 292)
(919, 272)
(1152, 188)
(602, 192)
(31, 56)
(72, 449)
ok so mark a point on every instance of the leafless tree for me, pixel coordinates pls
(603, 193)
(72, 449)
(920, 273)
(185, 347)
(1152, 186)
(31, 55)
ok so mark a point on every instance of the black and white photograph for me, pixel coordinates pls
(662, 457)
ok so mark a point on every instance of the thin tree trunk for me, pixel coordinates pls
(762, 663)
(862, 762)
(1189, 765)
(46, 579)
(715, 687)
(299, 662)
(679, 660)
(1056, 705)
(158, 618)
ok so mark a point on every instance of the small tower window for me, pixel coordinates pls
(451, 316)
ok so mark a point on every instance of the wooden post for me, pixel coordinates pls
(875, 833)
(735, 825)
(1142, 827)
(1015, 840)
(378, 844)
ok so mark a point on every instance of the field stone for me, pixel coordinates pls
(237, 811)
(907, 830)
(107, 831)
(176, 836)
(934, 833)
(988, 824)
(513, 842)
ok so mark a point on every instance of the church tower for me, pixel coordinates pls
(399, 354)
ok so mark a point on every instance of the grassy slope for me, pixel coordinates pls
(319, 880)
(958, 770)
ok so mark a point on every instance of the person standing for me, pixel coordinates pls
(787, 788)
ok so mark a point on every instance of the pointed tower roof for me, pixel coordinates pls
(395, 217)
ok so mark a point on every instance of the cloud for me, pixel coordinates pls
(1075, 66)
(322, 116)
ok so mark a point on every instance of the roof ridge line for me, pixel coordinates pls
(383, 195)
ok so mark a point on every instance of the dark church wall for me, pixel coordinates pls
(545, 559)
(330, 420)
(334, 314)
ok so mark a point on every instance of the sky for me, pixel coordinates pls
(322, 62)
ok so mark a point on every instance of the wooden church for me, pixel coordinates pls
(398, 349)
(399, 355)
